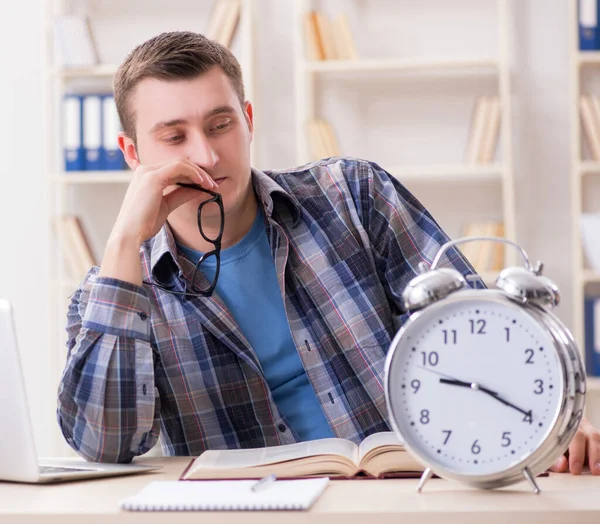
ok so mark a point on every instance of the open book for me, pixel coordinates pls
(379, 455)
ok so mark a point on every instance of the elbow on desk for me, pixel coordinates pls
(94, 443)
(98, 435)
(95, 447)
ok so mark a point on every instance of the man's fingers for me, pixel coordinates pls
(180, 196)
(560, 465)
(593, 447)
(184, 171)
(577, 452)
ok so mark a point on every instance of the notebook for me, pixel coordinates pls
(174, 495)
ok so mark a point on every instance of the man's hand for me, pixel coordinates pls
(151, 196)
(584, 449)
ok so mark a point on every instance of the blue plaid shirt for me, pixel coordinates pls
(346, 239)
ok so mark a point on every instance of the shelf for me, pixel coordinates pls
(449, 172)
(588, 58)
(93, 177)
(97, 71)
(593, 383)
(590, 276)
(588, 167)
(399, 65)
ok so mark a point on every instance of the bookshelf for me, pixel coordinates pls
(478, 66)
(462, 76)
(95, 196)
(585, 78)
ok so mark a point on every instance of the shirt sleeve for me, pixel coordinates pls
(401, 231)
(108, 406)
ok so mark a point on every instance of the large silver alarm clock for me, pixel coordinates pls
(484, 386)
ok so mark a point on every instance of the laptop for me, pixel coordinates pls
(18, 458)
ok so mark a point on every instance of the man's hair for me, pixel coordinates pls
(178, 55)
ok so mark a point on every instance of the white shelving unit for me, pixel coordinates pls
(423, 179)
(584, 177)
(398, 65)
(73, 192)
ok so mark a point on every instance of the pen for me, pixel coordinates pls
(264, 482)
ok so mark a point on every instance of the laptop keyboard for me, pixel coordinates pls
(60, 469)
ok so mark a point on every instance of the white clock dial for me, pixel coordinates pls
(475, 385)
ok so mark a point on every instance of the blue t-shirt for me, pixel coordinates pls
(248, 286)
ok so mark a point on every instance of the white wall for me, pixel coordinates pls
(23, 207)
(542, 141)
(541, 131)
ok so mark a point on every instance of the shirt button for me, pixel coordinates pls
(281, 428)
(143, 315)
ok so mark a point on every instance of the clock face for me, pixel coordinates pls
(475, 385)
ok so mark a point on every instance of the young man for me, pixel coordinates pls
(308, 266)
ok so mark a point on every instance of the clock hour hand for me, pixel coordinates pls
(450, 378)
(477, 387)
(473, 385)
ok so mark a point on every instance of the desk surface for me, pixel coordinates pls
(564, 498)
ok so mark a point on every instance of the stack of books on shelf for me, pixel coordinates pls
(79, 258)
(73, 42)
(326, 40)
(322, 139)
(485, 128)
(589, 108)
(224, 21)
(90, 128)
(484, 255)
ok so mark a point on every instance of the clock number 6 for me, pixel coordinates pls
(475, 448)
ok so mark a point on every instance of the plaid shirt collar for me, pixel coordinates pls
(164, 261)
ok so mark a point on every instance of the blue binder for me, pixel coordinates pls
(111, 126)
(592, 335)
(73, 133)
(92, 132)
(589, 36)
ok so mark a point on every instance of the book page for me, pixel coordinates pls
(383, 453)
(383, 439)
(244, 458)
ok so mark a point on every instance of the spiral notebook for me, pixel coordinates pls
(174, 495)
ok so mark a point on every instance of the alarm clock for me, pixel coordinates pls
(484, 386)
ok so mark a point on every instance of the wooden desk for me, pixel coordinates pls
(564, 499)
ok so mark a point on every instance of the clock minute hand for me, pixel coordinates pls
(506, 402)
(477, 387)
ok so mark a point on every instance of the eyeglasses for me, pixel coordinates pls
(216, 198)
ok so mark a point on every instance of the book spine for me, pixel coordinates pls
(327, 38)
(73, 133)
(478, 125)
(590, 126)
(592, 335)
(589, 36)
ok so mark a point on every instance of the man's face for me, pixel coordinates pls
(202, 120)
